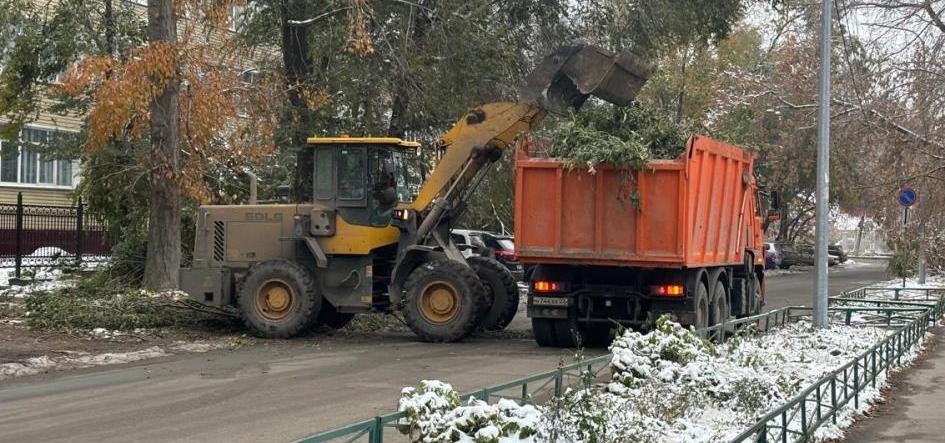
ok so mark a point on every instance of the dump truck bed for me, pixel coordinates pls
(693, 211)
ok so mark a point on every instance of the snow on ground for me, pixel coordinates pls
(666, 386)
(78, 360)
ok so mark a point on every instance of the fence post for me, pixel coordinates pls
(559, 382)
(19, 232)
(377, 432)
(79, 220)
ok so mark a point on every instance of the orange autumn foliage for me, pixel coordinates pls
(224, 123)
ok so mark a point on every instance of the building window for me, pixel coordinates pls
(24, 163)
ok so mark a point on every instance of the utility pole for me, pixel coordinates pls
(823, 169)
(923, 215)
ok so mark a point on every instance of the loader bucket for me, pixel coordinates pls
(567, 77)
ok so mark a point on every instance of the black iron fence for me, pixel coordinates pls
(41, 235)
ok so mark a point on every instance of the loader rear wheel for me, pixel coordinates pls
(501, 284)
(277, 299)
(330, 317)
(444, 301)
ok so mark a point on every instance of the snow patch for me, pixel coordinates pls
(45, 363)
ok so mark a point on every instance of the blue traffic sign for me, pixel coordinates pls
(907, 196)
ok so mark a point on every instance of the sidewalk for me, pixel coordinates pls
(915, 409)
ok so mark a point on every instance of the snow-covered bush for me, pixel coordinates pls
(667, 385)
(660, 354)
(434, 415)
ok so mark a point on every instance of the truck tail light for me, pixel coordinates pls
(668, 290)
(548, 286)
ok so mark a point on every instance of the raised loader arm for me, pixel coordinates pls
(444, 297)
(563, 80)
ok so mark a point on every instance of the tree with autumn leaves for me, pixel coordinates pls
(182, 92)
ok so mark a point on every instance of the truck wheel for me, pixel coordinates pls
(701, 306)
(277, 299)
(568, 335)
(718, 308)
(754, 290)
(545, 331)
(500, 283)
(444, 301)
(595, 335)
(330, 317)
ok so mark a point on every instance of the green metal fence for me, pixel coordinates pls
(799, 418)
(544, 385)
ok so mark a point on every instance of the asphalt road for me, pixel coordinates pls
(284, 390)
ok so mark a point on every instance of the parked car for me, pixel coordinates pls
(484, 243)
(800, 255)
(772, 256)
(837, 251)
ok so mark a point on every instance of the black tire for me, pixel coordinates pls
(595, 335)
(261, 299)
(701, 305)
(330, 317)
(754, 291)
(545, 331)
(428, 315)
(500, 283)
(718, 309)
(565, 334)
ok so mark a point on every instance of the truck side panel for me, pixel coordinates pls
(604, 218)
(721, 209)
(693, 211)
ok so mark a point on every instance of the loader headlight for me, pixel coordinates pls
(401, 214)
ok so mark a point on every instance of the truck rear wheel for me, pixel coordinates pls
(546, 331)
(278, 299)
(719, 309)
(501, 284)
(701, 306)
(444, 301)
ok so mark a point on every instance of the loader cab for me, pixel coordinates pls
(362, 178)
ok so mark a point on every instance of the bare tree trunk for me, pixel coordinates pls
(297, 61)
(859, 235)
(162, 263)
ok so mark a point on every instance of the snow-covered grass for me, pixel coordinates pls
(668, 385)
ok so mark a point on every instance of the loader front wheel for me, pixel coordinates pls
(444, 301)
(501, 284)
(278, 299)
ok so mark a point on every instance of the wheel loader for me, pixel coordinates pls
(358, 244)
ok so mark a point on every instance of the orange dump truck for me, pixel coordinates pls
(680, 236)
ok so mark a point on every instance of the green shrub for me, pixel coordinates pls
(99, 301)
(624, 137)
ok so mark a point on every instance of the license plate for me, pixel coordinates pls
(551, 301)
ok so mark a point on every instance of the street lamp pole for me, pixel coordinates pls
(823, 170)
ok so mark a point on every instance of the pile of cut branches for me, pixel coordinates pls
(623, 137)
